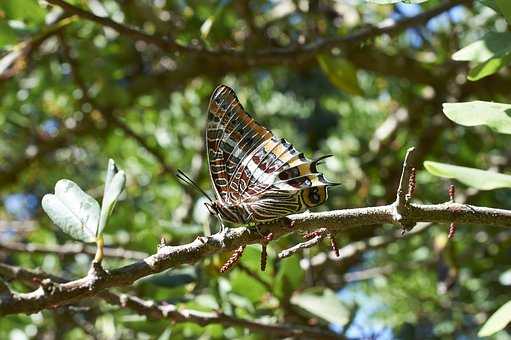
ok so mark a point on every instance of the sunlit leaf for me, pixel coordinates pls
(114, 184)
(322, 303)
(489, 67)
(498, 321)
(491, 45)
(341, 73)
(72, 210)
(489, 54)
(476, 178)
(495, 115)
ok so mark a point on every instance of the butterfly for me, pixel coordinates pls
(257, 176)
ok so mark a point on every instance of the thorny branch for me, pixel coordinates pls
(172, 256)
(162, 310)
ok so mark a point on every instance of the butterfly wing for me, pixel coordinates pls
(231, 135)
(251, 167)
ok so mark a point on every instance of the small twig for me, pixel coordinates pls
(314, 233)
(404, 181)
(401, 204)
(318, 235)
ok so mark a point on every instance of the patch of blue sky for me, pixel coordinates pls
(440, 22)
(50, 127)
(21, 205)
(364, 326)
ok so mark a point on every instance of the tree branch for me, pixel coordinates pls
(173, 256)
(269, 56)
(165, 311)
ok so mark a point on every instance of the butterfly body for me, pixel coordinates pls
(257, 177)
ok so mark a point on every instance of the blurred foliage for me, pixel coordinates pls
(75, 94)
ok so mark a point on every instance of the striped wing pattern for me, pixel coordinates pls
(257, 177)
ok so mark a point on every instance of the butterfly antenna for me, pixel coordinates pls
(187, 180)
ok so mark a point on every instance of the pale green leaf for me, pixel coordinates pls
(341, 73)
(491, 45)
(114, 184)
(72, 210)
(495, 115)
(324, 304)
(498, 321)
(476, 178)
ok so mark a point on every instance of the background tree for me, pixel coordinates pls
(83, 82)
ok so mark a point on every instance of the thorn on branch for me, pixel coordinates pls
(333, 243)
(163, 243)
(451, 193)
(452, 228)
(264, 255)
(412, 182)
(235, 257)
(452, 231)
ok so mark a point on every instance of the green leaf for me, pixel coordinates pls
(114, 184)
(495, 115)
(341, 73)
(490, 3)
(322, 303)
(7, 35)
(504, 7)
(241, 280)
(476, 178)
(72, 210)
(24, 10)
(498, 321)
(489, 67)
(491, 45)
(208, 23)
(289, 276)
